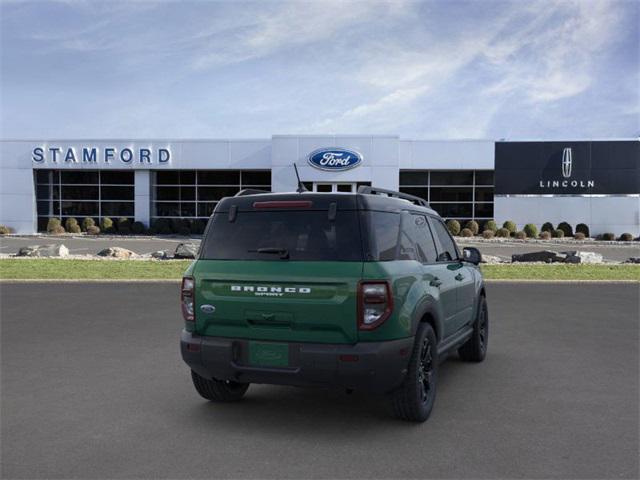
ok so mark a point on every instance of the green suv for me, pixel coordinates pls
(364, 291)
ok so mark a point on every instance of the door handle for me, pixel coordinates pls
(459, 277)
(435, 282)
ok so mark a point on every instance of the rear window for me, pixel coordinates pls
(278, 235)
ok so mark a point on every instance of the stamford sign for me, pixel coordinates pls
(95, 155)
(334, 159)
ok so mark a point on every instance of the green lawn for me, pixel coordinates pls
(52, 269)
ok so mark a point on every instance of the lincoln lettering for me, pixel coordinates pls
(108, 155)
(567, 183)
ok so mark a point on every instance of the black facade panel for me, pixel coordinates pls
(553, 168)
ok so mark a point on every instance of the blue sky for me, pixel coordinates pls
(422, 70)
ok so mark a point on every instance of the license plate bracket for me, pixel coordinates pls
(268, 354)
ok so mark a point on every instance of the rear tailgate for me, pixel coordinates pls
(291, 301)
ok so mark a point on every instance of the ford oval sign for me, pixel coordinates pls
(334, 159)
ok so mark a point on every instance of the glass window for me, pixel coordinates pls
(187, 193)
(453, 177)
(219, 177)
(80, 209)
(262, 178)
(451, 194)
(484, 177)
(216, 193)
(168, 178)
(117, 209)
(42, 176)
(117, 177)
(414, 178)
(167, 209)
(453, 210)
(484, 194)
(447, 250)
(77, 192)
(168, 193)
(188, 209)
(424, 239)
(270, 235)
(384, 229)
(484, 210)
(422, 192)
(206, 209)
(42, 191)
(116, 193)
(71, 177)
(187, 177)
(43, 208)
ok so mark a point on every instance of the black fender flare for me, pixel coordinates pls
(430, 310)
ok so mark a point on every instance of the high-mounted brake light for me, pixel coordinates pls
(375, 304)
(186, 298)
(284, 204)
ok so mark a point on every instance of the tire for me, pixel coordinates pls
(413, 400)
(475, 349)
(218, 390)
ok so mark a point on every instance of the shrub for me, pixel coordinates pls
(88, 222)
(566, 228)
(608, 236)
(453, 226)
(488, 234)
(583, 228)
(138, 228)
(509, 225)
(160, 226)
(473, 226)
(124, 226)
(106, 225)
(557, 233)
(545, 235)
(547, 227)
(74, 228)
(579, 236)
(198, 226)
(626, 237)
(466, 232)
(4, 230)
(93, 230)
(521, 235)
(57, 230)
(52, 224)
(70, 222)
(503, 233)
(491, 225)
(531, 230)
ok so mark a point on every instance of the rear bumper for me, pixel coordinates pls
(369, 366)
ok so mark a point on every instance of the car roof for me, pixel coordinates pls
(322, 201)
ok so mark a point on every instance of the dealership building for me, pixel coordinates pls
(596, 182)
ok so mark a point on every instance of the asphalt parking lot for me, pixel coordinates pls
(93, 387)
(141, 245)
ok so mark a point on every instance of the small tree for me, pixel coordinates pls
(453, 226)
(531, 230)
(547, 227)
(509, 225)
(583, 228)
(473, 226)
(106, 225)
(566, 228)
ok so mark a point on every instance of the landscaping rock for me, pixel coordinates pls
(492, 259)
(186, 250)
(583, 257)
(632, 260)
(116, 252)
(546, 256)
(53, 250)
(160, 255)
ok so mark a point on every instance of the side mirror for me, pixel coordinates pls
(471, 255)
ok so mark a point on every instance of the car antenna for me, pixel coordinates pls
(301, 188)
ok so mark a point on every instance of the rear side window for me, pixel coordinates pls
(423, 239)
(384, 229)
(283, 235)
(447, 250)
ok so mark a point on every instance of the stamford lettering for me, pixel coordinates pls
(108, 155)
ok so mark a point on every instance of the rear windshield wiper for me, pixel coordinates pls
(283, 252)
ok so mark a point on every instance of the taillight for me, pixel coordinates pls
(186, 298)
(375, 304)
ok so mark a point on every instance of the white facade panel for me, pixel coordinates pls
(142, 196)
(449, 155)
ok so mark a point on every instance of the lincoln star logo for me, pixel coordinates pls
(271, 291)
(567, 160)
(334, 159)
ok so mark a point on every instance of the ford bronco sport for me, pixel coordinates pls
(359, 290)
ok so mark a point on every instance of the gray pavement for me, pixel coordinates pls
(93, 387)
(92, 245)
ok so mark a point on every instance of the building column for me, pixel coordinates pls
(142, 196)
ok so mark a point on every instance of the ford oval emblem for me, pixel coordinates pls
(334, 159)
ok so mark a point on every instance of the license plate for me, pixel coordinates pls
(268, 354)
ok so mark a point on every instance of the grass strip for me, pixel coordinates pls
(64, 269)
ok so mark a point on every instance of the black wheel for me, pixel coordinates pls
(475, 349)
(413, 400)
(217, 390)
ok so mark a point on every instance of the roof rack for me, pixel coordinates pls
(391, 193)
(249, 191)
